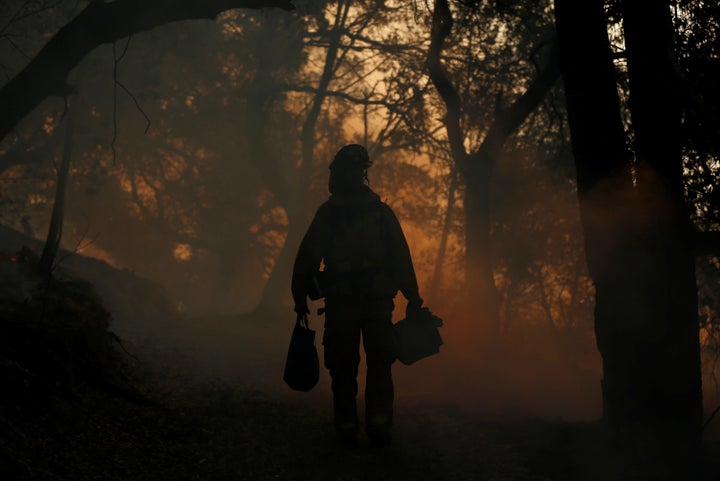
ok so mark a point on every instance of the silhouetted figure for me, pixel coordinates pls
(367, 261)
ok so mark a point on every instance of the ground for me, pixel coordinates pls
(203, 399)
(216, 432)
(223, 430)
(213, 407)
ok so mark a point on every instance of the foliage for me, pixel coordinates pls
(697, 26)
(54, 334)
(187, 203)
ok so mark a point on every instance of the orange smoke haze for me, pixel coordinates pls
(200, 205)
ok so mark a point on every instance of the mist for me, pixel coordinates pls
(200, 153)
(190, 171)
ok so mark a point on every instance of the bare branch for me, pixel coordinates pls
(137, 105)
(97, 24)
(38, 10)
(442, 23)
(507, 120)
(14, 17)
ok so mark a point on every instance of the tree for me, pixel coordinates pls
(635, 223)
(347, 69)
(269, 122)
(475, 168)
(52, 244)
(99, 23)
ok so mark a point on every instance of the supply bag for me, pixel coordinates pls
(302, 367)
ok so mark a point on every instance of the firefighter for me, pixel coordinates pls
(367, 260)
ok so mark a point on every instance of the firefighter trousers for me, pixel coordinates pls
(346, 320)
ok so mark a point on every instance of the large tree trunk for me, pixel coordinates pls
(645, 313)
(604, 183)
(673, 376)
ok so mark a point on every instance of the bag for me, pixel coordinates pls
(302, 367)
(417, 337)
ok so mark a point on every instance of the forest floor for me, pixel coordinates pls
(220, 433)
(216, 432)
(204, 427)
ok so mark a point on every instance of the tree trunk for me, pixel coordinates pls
(603, 181)
(476, 169)
(52, 243)
(646, 331)
(437, 279)
(483, 297)
(673, 349)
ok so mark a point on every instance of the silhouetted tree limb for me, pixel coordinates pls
(332, 62)
(99, 23)
(364, 43)
(441, 26)
(509, 119)
(353, 99)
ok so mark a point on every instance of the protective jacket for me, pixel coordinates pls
(362, 245)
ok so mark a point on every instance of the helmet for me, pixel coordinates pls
(351, 157)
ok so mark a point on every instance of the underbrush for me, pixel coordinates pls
(54, 336)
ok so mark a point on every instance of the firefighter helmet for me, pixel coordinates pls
(351, 157)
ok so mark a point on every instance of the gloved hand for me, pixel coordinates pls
(417, 313)
(302, 311)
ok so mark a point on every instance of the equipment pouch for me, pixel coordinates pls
(417, 336)
(302, 367)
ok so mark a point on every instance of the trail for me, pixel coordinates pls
(221, 413)
(509, 378)
(217, 432)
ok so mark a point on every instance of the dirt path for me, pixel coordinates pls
(215, 432)
(246, 425)
(219, 432)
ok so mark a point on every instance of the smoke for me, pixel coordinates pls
(189, 206)
(508, 377)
